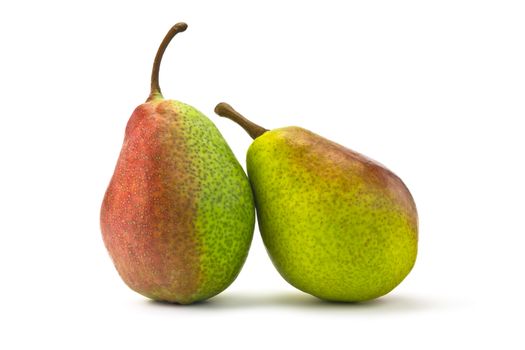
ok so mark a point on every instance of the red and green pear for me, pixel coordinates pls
(178, 215)
(335, 223)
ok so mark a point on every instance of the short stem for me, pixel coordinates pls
(155, 87)
(225, 110)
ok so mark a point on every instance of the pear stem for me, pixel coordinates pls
(225, 110)
(155, 87)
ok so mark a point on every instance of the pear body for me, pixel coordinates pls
(336, 224)
(178, 215)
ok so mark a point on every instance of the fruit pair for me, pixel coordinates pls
(178, 215)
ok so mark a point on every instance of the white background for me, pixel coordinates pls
(434, 90)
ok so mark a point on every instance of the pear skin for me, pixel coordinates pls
(178, 216)
(335, 223)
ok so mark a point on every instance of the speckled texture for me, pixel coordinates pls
(336, 224)
(178, 215)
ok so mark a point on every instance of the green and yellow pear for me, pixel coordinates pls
(335, 223)
(178, 215)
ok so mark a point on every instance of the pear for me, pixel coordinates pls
(335, 223)
(178, 215)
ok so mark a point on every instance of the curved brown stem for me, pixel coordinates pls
(225, 110)
(155, 87)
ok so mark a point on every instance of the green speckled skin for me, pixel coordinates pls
(225, 217)
(336, 224)
(178, 215)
